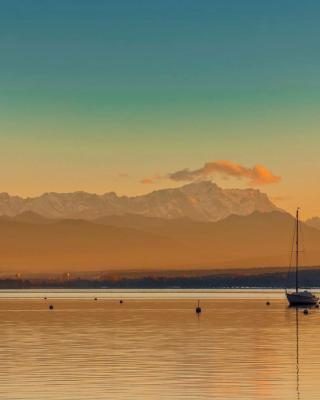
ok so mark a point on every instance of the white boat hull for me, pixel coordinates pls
(304, 298)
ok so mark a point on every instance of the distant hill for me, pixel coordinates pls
(259, 239)
(314, 222)
(201, 201)
(78, 245)
(31, 217)
(133, 242)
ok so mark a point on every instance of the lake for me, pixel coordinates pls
(154, 346)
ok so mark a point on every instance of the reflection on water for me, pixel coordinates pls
(158, 349)
(297, 351)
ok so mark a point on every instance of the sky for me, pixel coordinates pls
(122, 95)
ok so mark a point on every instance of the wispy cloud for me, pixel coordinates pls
(152, 180)
(147, 181)
(256, 175)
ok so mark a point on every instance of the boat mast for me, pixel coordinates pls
(297, 249)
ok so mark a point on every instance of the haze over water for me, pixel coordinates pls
(154, 348)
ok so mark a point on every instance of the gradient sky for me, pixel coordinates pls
(97, 95)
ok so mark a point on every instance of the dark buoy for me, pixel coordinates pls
(51, 307)
(198, 309)
(95, 299)
(305, 312)
(45, 298)
(268, 303)
(121, 301)
(317, 305)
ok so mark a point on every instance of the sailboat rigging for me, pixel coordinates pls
(299, 298)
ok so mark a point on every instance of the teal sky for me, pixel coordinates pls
(97, 95)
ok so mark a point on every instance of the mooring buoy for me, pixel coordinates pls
(198, 308)
(305, 312)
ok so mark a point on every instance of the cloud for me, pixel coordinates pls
(152, 180)
(147, 181)
(256, 175)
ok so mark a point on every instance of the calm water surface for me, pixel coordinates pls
(153, 346)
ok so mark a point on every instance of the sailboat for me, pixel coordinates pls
(300, 298)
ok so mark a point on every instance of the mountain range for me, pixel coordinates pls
(197, 226)
(30, 243)
(200, 201)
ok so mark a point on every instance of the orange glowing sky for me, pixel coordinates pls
(121, 97)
